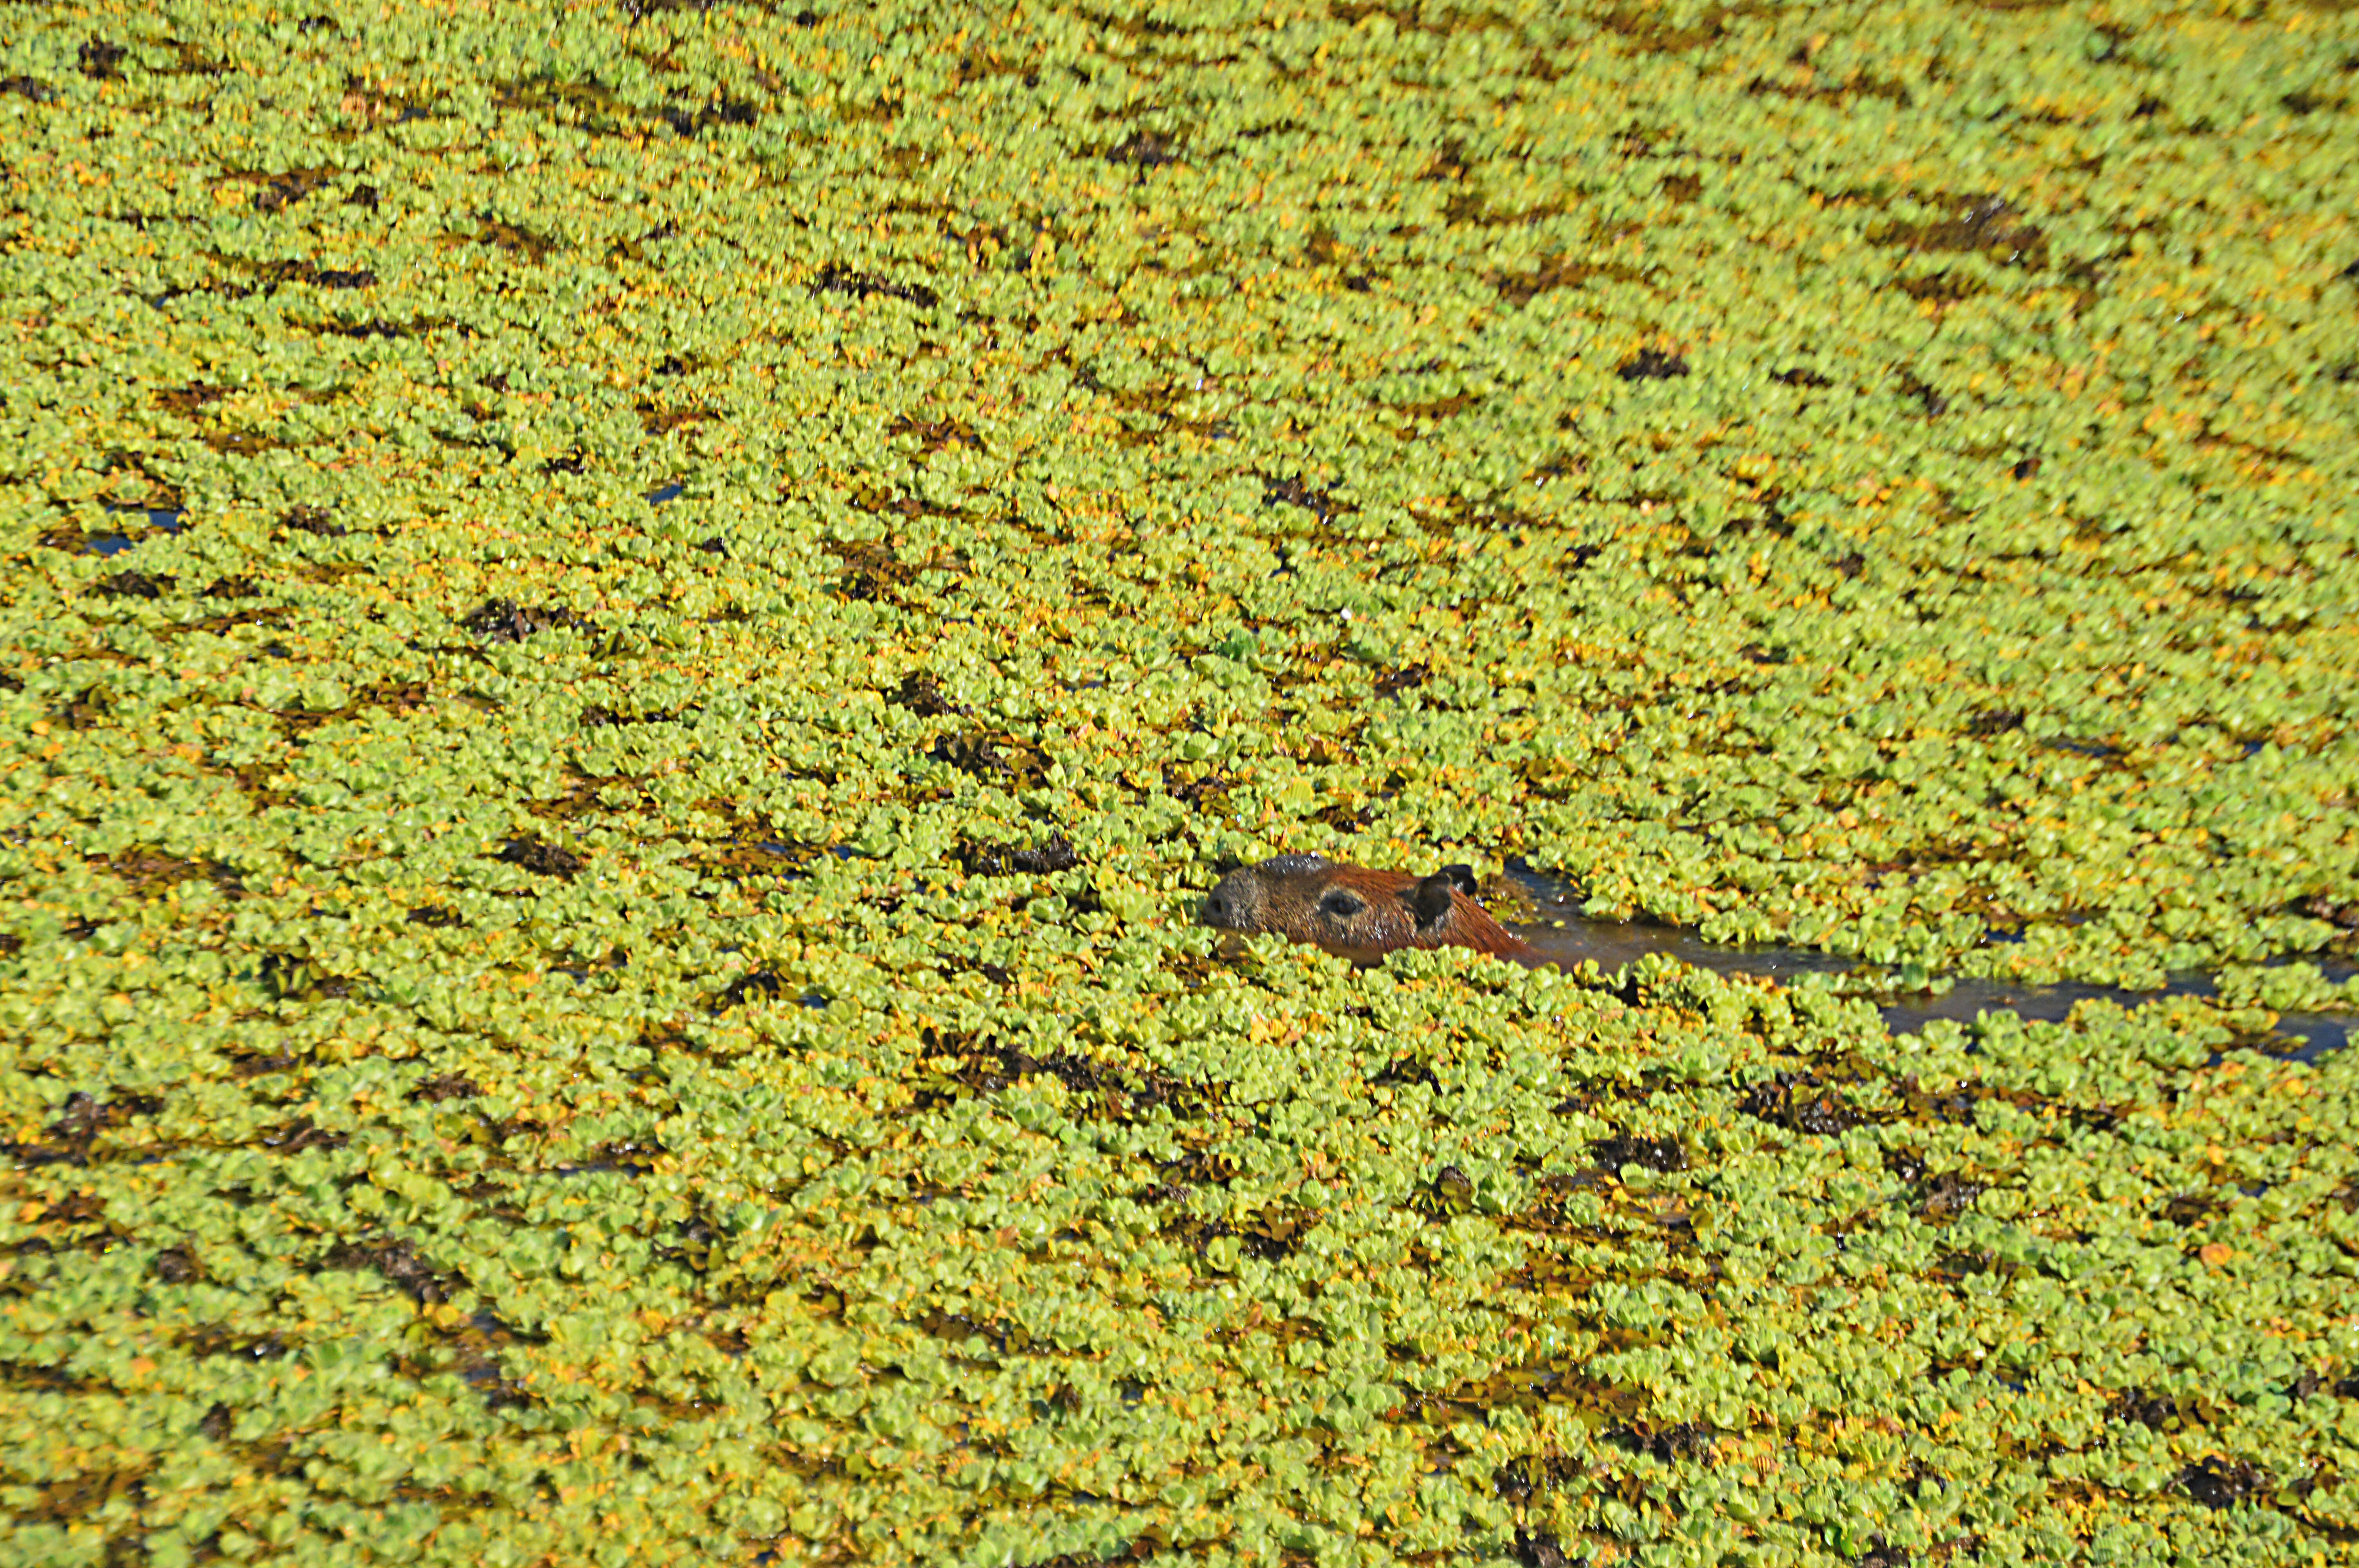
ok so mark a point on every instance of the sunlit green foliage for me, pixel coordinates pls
(625, 630)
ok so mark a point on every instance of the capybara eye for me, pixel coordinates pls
(1342, 903)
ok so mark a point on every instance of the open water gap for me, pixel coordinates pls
(1573, 939)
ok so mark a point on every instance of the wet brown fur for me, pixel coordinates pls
(1357, 913)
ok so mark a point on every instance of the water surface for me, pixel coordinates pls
(1572, 938)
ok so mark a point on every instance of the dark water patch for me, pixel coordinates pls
(2220, 1482)
(136, 585)
(219, 1339)
(993, 757)
(1967, 999)
(1654, 1153)
(101, 60)
(505, 621)
(82, 1121)
(400, 1264)
(765, 985)
(2319, 1033)
(980, 858)
(2099, 749)
(2343, 913)
(1538, 1549)
(1145, 150)
(1652, 364)
(1665, 1443)
(476, 1352)
(1614, 946)
(922, 695)
(541, 858)
(380, 326)
(161, 519)
(1798, 1104)
(597, 716)
(957, 1067)
(837, 279)
(290, 977)
(719, 111)
(623, 1157)
(1320, 503)
(293, 1136)
(158, 520)
(178, 1266)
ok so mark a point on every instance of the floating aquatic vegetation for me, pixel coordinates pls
(627, 640)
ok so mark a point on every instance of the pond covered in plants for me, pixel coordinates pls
(628, 638)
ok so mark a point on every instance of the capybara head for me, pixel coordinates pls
(1359, 913)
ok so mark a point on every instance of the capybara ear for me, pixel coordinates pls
(1430, 901)
(1463, 878)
